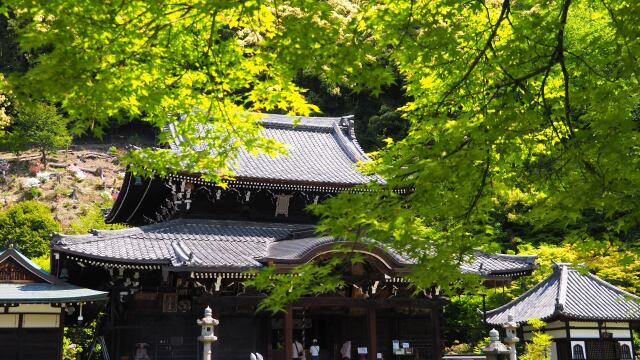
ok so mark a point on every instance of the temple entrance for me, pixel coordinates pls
(394, 333)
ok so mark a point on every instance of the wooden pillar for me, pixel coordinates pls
(288, 333)
(373, 334)
(61, 319)
(437, 334)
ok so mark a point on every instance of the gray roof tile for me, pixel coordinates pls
(181, 242)
(486, 264)
(292, 250)
(319, 150)
(568, 293)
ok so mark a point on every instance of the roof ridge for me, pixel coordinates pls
(520, 258)
(295, 121)
(561, 297)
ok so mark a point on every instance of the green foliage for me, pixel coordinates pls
(303, 280)
(513, 107)
(28, 225)
(70, 350)
(91, 218)
(43, 262)
(40, 127)
(33, 193)
(617, 267)
(523, 110)
(458, 348)
(79, 340)
(539, 348)
(5, 119)
(463, 320)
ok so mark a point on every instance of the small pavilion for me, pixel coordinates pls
(499, 269)
(34, 305)
(587, 317)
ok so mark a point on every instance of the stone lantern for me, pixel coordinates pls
(496, 350)
(207, 323)
(511, 339)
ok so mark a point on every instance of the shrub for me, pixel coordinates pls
(539, 348)
(34, 193)
(43, 261)
(92, 218)
(28, 225)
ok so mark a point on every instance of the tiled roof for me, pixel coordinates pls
(47, 289)
(292, 250)
(319, 150)
(486, 264)
(569, 294)
(229, 245)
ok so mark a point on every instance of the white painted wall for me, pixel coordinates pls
(593, 324)
(619, 333)
(40, 321)
(35, 308)
(557, 334)
(9, 321)
(554, 351)
(585, 333)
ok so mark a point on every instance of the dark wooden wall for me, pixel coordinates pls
(30, 344)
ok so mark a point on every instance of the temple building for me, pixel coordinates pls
(587, 317)
(35, 308)
(192, 243)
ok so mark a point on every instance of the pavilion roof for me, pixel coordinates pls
(499, 265)
(37, 286)
(320, 150)
(568, 293)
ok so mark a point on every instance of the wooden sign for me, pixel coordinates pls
(145, 296)
(169, 303)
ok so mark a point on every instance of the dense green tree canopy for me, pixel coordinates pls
(40, 127)
(521, 110)
(28, 226)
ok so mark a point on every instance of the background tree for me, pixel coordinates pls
(522, 109)
(28, 225)
(38, 127)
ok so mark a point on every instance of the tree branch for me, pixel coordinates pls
(505, 9)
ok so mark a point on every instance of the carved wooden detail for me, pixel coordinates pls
(11, 272)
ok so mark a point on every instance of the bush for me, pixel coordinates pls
(34, 193)
(43, 261)
(539, 348)
(91, 218)
(28, 225)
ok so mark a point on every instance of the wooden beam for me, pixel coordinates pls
(373, 334)
(437, 334)
(288, 333)
(321, 301)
